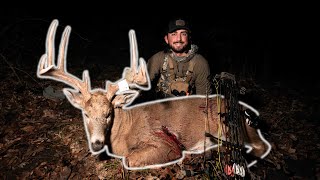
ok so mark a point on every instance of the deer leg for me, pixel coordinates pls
(160, 151)
(259, 147)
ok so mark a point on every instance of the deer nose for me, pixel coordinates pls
(97, 145)
(183, 93)
(175, 92)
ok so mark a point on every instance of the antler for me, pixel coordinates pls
(137, 74)
(48, 69)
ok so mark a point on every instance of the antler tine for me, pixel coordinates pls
(136, 75)
(48, 69)
(134, 54)
(50, 45)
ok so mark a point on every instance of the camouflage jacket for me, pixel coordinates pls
(199, 78)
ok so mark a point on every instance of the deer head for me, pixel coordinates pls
(97, 105)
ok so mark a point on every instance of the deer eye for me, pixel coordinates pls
(108, 114)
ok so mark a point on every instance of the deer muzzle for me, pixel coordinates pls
(97, 145)
(97, 139)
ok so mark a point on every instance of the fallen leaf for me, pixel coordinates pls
(28, 128)
(291, 150)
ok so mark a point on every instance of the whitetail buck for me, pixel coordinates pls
(145, 135)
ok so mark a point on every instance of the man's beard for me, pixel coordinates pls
(185, 48)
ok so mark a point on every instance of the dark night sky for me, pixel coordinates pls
(266, 40)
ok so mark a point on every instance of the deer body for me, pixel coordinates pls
(184, 118)
(152, 133)
(133, 133)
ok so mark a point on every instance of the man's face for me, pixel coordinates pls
(178, 40)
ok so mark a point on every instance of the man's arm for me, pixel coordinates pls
(202, 73)
(154, 65)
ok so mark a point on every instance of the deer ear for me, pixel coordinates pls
(123, 100)
(75, 98)
(111, 90)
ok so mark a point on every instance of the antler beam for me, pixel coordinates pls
(48, 69)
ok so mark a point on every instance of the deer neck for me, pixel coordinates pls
(121, 125)
(121, 122)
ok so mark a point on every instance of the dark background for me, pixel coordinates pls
(266, 45)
